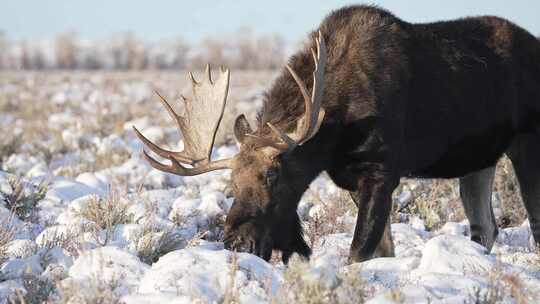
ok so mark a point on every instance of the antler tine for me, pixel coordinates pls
(180, 156)
(289, 142)
(301, 85)
(160, 151)
(178, 169)
(317, 115)
(208, 73)
(193, 81)
(268, 142)
(177, 119)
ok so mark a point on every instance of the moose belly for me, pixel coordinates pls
(437, 159)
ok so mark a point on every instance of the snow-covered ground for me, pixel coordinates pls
(84, 219)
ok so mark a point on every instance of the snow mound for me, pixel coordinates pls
(452, 254)
(199, 273)
(108, 264)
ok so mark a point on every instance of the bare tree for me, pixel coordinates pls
(212, 50)
(181, 50)
(4, 49)
(271, 51)
(66, 51)
(247, 57)
(136, 59)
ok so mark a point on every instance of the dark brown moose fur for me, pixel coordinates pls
(438, 100)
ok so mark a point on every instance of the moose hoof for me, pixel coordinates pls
(485, 239)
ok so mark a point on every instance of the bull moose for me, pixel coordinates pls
(369, 99)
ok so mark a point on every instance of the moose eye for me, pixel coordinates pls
(272, 177)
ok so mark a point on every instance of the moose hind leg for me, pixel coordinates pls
(475, 191)
(524, 153)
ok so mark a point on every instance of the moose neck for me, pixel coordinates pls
(305, 163)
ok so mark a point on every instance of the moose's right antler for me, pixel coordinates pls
(203, 113)
(310, 122)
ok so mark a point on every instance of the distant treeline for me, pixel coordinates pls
(241, 50)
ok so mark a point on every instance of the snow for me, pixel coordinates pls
(21, 248)
(57, 262)
(108, 264)
(16, 268)
(206, 273)
(454, 255)
(65, 247)
(8, 288)
(442, 265)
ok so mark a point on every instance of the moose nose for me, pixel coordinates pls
(228, 242)
(240, 244)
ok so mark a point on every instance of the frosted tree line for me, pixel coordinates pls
(125, 51)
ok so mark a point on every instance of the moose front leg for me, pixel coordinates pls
(372, 236)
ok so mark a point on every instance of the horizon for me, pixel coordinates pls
(28, 20)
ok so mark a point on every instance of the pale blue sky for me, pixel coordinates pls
(156, 19)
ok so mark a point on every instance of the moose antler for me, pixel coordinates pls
(203, 113)
(310, 122)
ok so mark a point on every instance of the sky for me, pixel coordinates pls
(153, 20)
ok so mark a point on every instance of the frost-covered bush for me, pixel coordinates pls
(437, 201)
(6, 235)
(37, 289)
(108, 212)
(329, 213)
(302, 285)
(152, 245)
(94, 291)
(23, 201)
(8, 146)
(507, 195)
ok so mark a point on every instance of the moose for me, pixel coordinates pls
(369, 99)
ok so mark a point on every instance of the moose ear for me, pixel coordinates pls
(241, 128)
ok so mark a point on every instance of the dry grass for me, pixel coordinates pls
(94, 291)
(434, 201)
(38, 290)
(536, 260)
(437, 201)
(8, 146)
(109, 159)
(70, 241)
(107, 213)
(152, 245)
(23, 201)
(6, 235)
(348, 288)
(501, 287)
(154, 242)
(231, 292)
(331, 217)
(99, 161)
(507, 190)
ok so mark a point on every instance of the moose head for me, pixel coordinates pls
(265, 186)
